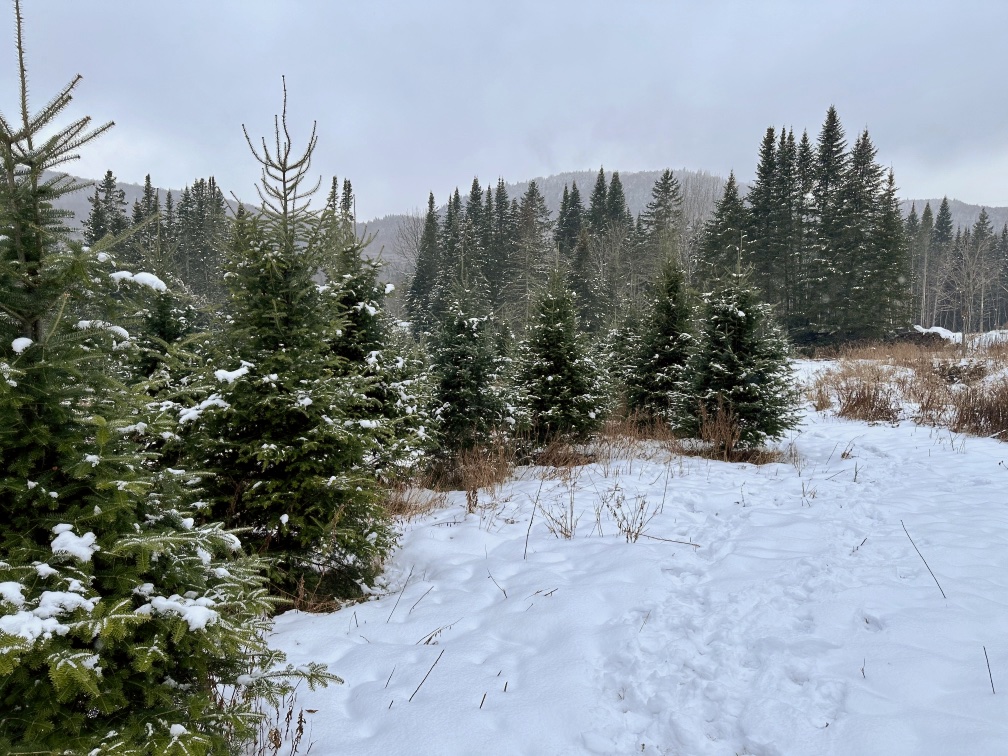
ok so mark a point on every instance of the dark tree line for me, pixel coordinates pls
(821, 232)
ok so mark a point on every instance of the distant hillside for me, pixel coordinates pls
(701, 191)
(78, 204)
(962, 214)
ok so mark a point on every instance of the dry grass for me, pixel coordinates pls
(473, 469)
(938, 385)
(405, 502)
(981, 409)
(860, 390)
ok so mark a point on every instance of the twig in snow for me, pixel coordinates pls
(484, 699)
(535, 505)
(863, 662)
(400, 594)
(390, 676)
(671, 540)
(924, 560)
(988, 670)
(646, 618)
(419, 600)
(496, 583)
(427, 675)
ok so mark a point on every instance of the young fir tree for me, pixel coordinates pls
(555, 381)
(468, 407)
(286, 434)
(739, 375)
(366, 342)
(120, 617)
(655, 385)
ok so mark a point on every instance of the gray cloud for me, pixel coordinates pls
(411, 97)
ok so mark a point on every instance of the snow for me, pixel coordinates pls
(803, 621)
(66, 542)
(977, 339)
(20, 344)
(12, 593)
(192, 413)
(197, 613)
(119, 331)
(144, 279)
(230, 376)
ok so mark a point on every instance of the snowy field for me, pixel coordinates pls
(803, 622)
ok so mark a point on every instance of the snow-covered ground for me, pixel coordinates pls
(803, 622)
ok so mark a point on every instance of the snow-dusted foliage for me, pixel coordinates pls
(555, 383)
(119, 614)
(655, 383)
(468, 402)
(740, 373)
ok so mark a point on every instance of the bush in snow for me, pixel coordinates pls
(121, 619)
(738, 389)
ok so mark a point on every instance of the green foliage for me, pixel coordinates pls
(740, 370)
(468, 406)
(291, 421)
(122, 620)
(655, 385)
(555, 381)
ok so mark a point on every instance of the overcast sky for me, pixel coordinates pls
(418, 96)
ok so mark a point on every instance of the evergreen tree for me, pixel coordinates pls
(660, 227)
(121, 617)
(598, 206)
(739, 377)
(759, 248)
(428, 267)
(467, 404)
(724, 233)
(856, 258)
(287, 431)
(831, 163)
(655, 386)
(617, 212)
(535, 248)
(555, 381)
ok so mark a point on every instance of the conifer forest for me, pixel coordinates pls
(218, 414)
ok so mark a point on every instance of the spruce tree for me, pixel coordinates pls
(655, 385)
(555, 384)
(660, 226)
(121, 618)
(739, 377)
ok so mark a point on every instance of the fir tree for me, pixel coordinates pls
(425, 277)
(555, 381)
(739, 377)
(724, 232)
(121, 617)
(655, 386)
(467, 403)
(286, 433)
(598, 206)
(660, 226)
